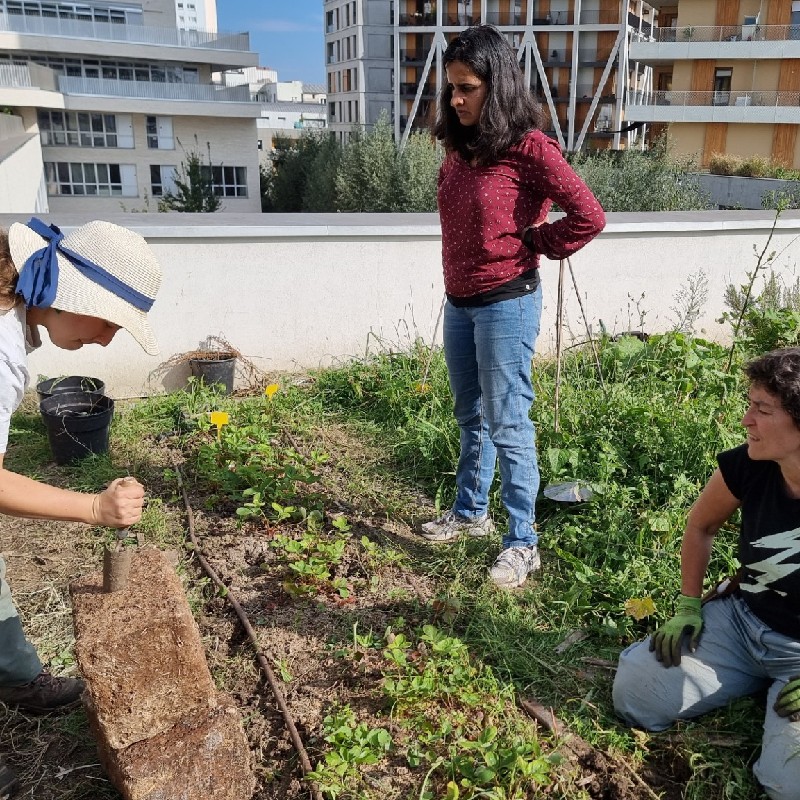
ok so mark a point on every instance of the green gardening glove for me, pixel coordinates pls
(668, 639)
(787, 704)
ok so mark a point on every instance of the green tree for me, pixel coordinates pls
(194, 190)
(417, 171)
(632, 180)
(366, 178)
(319, 194)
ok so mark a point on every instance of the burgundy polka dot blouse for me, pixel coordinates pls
(484, 210)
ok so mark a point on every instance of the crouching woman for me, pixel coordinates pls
(748, 640)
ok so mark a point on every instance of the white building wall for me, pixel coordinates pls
(233, 144)
(280, 287)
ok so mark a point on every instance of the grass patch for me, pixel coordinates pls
(318, 485)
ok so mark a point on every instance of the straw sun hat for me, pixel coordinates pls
(123, 254)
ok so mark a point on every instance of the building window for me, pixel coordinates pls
(82, 12)
(90, 180)
(227, 181)
(159, 133)
(162, 179)
(722, 87)
(78, 129)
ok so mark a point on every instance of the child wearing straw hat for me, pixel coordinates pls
(81, 288)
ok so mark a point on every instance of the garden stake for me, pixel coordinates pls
(586, 325)
(117, 562)
(305, 762)
(559, 323)
(433, 342)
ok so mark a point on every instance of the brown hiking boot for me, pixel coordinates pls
(43, 694)
(8, 782)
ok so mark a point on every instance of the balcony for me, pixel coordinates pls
(116, 32)
(413, 56)
(149, 90)
(719, 42)
(504, 18)
(759, 106)
(410, 89)
(417, 20)
(461, 20)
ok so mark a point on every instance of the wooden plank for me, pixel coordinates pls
(728, 12)
(789, 80)
(703, 75)
(609, 12)
(784, 141)
(779, 12)
(715, 141)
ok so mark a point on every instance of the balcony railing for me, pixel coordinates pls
(411, 89)
(726, 98)
(418, 19)
(729, 33)
(462, 20)
(150, 90)
(117, 32)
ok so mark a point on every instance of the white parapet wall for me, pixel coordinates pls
(298, 291)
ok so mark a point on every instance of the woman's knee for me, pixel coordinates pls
(778, 766)
(641, 692)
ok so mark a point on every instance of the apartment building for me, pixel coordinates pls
(725, 77)
(575, 54)
(106, 98)
(359, 42)
(196, 15)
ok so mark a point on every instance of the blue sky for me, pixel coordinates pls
(287, 34)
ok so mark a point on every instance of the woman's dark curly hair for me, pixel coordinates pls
(778, 372)
(8, 275)
(508, 112)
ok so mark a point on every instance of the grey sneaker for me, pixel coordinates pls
(450, 526)
(513, 565)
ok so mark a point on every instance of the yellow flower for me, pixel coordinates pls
(270, 390)
(639, 607)
(422, 388)
(219, 418)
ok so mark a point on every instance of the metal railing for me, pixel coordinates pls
(118, 32)
(726, 98)
(728, 33)
(150, 90)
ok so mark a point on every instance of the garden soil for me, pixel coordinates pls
(56, 756)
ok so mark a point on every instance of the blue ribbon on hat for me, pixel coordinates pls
(38, 278)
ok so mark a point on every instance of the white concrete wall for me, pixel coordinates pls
(298, 291)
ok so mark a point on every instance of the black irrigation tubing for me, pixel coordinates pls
(305, 762)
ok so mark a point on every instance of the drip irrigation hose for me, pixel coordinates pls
(305, 762)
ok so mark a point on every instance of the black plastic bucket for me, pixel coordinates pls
(69, 383)
(215, 371)
(77, 424)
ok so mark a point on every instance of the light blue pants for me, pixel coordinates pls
(489, 350)
(19, 663)
(737, 655)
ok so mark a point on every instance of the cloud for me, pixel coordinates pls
(286, 26)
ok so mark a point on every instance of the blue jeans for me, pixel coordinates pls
(19, 663)
(736, 656)
(488, 350)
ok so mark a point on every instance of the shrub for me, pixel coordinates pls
(723, 164)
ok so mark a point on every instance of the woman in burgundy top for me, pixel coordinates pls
(497, 184)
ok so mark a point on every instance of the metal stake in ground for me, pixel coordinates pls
(559, 325)
(117, 562)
